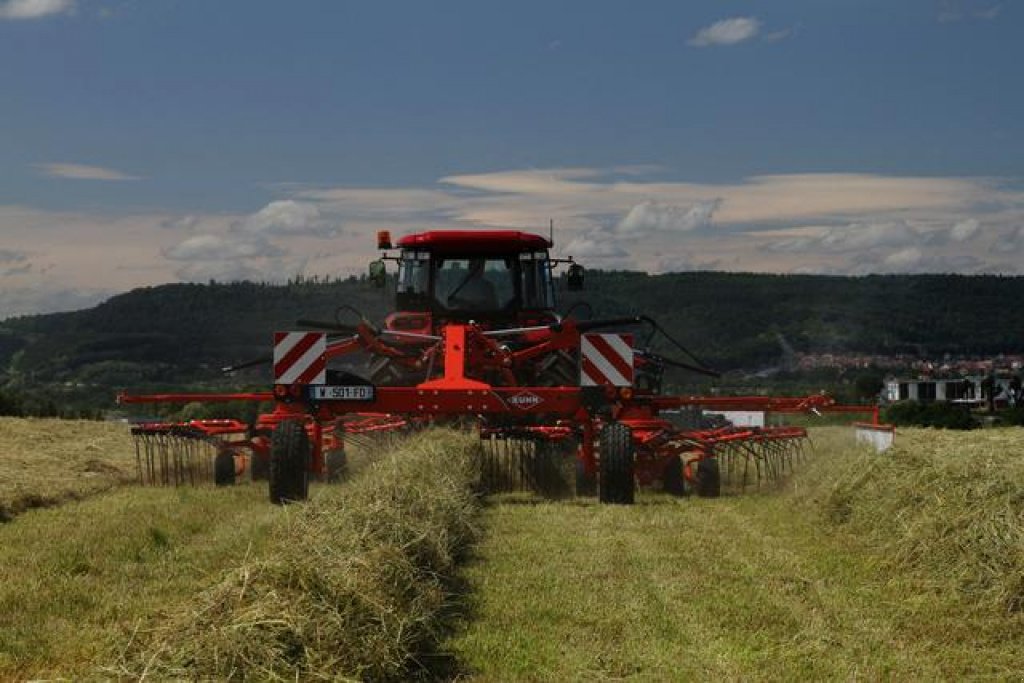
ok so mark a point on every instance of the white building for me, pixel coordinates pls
(959, 390)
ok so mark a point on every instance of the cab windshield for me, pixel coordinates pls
(475, 284)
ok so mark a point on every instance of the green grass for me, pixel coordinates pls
(762, 587)
(81, 580)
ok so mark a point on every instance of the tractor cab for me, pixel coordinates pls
(495, 278)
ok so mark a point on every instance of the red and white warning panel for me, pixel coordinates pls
(606, 360)
(300, 358)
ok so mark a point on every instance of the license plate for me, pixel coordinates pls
(357, 392)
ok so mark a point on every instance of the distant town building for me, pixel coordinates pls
(957, 390)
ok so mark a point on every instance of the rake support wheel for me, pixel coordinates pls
(616, 466)
(289, 463)
(709, 478)
(224, 468)
(673, 481)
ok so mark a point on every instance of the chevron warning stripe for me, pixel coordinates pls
(606, 360)
(300, 358)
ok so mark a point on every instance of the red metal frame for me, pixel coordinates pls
(470, 370)
(552, 413)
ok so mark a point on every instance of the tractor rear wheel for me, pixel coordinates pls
(337, 466)
(289, 463)
(616, 466)
(672, 478)
(224, 468)
(709, 478)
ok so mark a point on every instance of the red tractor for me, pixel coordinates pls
(476, 334)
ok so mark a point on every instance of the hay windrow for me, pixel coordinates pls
(354, 585)
(46, 462)
(949, 506)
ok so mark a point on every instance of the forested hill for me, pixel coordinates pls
(181, 334)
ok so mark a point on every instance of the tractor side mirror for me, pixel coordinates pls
(378, 273)
(574, 278)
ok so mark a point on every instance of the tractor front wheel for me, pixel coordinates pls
(616, 466)
(289, 463)
(709, 478)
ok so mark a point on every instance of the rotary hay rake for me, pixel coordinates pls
(753, 456)
(476, 341)
(224, 451)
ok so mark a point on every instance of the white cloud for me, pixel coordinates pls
(904, 259)
(12, 256)
(540, 182)
(958, 10)
(851, 237)
(781, 34)
(217, 248)
(965, 230)
(596, 244)
(684, 262)
(651, 216)
(181, 223)
(1010, 242)
(727, 32)
(989, 13)
(34, 9)
(287, 217)
(914, 261)
(838, 223)
(83, 172)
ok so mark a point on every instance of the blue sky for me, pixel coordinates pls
(169, 140)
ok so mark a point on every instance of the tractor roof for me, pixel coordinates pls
(474, 241)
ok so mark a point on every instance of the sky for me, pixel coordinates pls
(153, 141)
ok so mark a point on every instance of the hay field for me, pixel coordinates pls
(904, 566)
(82, 580)
(356, 584)
(216, 583)
(45, 461)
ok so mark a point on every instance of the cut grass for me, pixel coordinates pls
(79, 580)
(941, 505)
(354, 584)
(757, 587)
(45, 462)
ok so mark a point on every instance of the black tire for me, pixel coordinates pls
(586, 484)
(224, 468)
(337, 466)
(672, 477)
(289, 463)
(709, 478)
(616, 466)
(259, 464)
